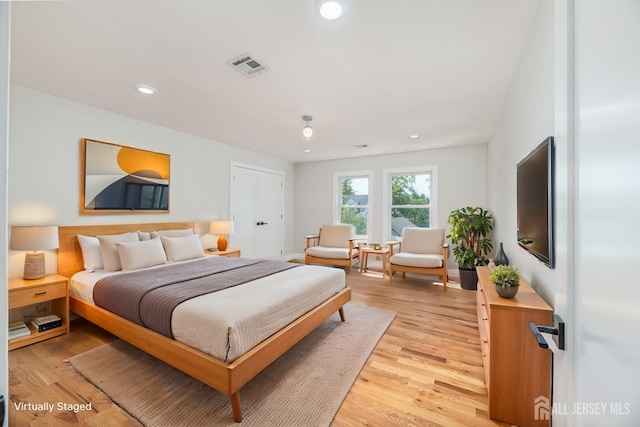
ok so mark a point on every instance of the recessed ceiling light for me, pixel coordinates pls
(146, 89)
(330, 10)
(414, 136)
(307, 150)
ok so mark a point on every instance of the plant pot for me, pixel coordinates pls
(509, 292)
(468, 279)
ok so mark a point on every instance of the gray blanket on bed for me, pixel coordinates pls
(148, 297)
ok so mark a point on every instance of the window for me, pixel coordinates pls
(353, 201)
(409, 199)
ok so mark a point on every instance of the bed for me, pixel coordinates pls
(225, 376)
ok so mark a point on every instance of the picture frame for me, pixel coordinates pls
(120, 179)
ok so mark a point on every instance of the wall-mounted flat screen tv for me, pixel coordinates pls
(535, 201)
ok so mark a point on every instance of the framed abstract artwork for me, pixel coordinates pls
(119, 179)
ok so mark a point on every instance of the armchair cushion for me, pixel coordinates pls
(336, 236)
(422, 240)
(330, 253)
(417, 260)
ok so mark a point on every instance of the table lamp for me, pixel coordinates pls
(34, 239)
(222, 228)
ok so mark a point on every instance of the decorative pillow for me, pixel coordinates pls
(182, 248)
(91, 256)
(136, 255)
(143, 235)
(172, 233)
(110, 257)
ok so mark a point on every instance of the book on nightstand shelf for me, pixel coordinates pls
(45, 323)
(17, 330)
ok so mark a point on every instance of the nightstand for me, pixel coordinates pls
(228, 252)
(53, 288)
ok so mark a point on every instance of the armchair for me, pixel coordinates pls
(333, 245)
(421, 251)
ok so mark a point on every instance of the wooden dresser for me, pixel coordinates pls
(516, 369)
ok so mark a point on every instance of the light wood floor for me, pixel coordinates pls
(425, 371)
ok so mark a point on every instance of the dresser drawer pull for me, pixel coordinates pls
(40, 293)
(485, 341)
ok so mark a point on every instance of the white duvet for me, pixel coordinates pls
(228, 323)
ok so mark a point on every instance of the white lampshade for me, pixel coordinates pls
(34, 238)
(221, 227)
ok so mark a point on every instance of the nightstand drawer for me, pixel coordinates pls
(37, 294)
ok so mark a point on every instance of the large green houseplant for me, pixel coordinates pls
(470, 227)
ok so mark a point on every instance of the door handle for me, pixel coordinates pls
(262, 223)
(557, 330)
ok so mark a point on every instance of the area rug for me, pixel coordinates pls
(304, 387)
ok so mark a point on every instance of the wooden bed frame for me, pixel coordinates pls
(227, 378)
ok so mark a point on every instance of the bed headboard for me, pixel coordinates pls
(70, 255)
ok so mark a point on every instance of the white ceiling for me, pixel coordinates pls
(385, 70)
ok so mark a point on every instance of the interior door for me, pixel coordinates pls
(269, 216)
(607, 295)
(257, 211)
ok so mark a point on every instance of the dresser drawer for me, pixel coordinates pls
(37, 294)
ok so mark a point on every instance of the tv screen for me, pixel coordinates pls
(535, 202)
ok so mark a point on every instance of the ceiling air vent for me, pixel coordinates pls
(247, 65)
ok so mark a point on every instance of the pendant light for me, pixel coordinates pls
(307, 131)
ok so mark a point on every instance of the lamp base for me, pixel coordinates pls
(34, 265)
(222, 243)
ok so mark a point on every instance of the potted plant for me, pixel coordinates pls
(506, 280)
(469, 229)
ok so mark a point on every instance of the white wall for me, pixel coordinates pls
(533, 110)
(462, 181)
(526, 119)
(44, 173)
(5, 36)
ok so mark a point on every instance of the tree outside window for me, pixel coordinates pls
(410, 202)
(354, 203)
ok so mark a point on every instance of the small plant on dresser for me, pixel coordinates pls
(506, 280)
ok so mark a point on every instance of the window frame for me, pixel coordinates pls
(337, 197)
(387, 174)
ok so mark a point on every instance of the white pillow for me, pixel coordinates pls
(182, 248)
(172, 233)
(143, 235)
(91, 256)
(146, 253)
(110, 257)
